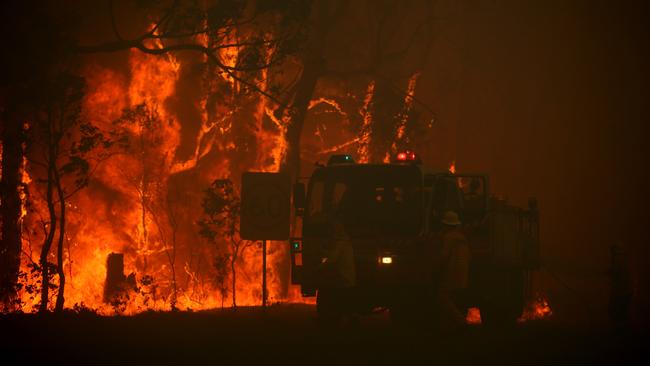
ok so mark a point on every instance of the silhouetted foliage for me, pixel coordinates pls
(220, 225)
(60, 144)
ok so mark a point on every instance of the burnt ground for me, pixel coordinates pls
(287, 334)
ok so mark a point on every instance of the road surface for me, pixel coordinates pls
(288, 335)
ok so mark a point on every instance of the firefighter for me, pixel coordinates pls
(454, 275)
(336, 298)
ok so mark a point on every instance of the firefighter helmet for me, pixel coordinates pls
(451, 218)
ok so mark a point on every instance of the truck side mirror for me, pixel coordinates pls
(299, 197)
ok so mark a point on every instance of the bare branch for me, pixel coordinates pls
(164, 18)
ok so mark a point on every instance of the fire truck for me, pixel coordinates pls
(392, 215)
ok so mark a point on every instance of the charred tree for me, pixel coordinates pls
(59, 162)
(40, 37)
(220, 264)
(312, 71)
(30, 33)
(386, 106)
(117, 284)
(10, 210)
(44, 264)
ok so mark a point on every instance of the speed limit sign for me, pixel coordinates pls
(265, 206)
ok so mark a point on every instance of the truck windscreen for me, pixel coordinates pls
(370, 200)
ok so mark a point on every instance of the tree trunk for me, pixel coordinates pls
(172, 264)
(45, 282)
(60, 299)
(234, 278)
(313, 69)
(10, 246)
(143, 218)
(386, 105)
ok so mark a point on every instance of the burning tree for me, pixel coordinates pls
(147, 168)
(143, 134)
(60, 147)
(283, 51)
(240, 39)
(221, 208)
(221, 265)
(210, 89)
(168, 233)
(38, 40)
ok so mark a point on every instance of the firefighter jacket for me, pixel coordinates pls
(455, 260)
(338, 267)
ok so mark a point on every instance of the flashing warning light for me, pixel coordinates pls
(340, 159)
(386, 260)
(452, 167)
(407, 156)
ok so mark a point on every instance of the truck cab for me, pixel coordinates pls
(391, 214)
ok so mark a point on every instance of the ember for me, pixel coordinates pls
(537, 309)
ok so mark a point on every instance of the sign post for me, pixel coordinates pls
(265, 203)
(264, 295)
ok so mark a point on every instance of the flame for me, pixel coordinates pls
(25, 180)
(452, 167)
(403, 116)
(537, 309)
(128, 202)
(338, 147)
(328, 101)
(112, 215)
(228, 57)
(473, 316)
(363, 150)
(272, 143)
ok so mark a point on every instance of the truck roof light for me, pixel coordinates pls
(340, 160)
(407, 156)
